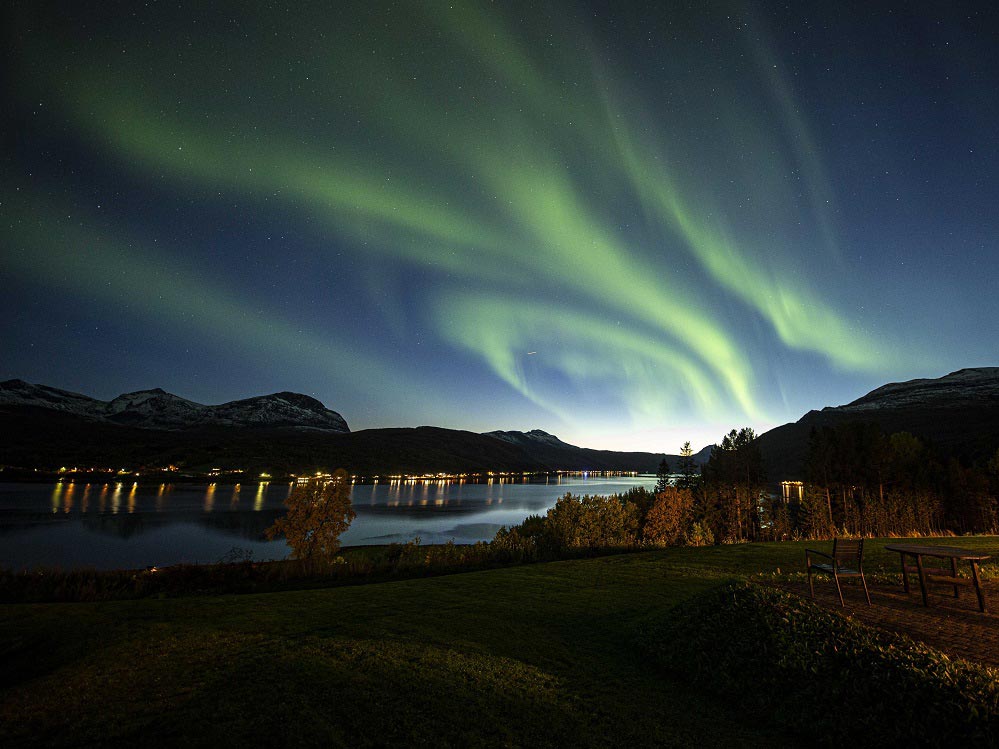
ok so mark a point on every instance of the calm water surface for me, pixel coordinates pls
(128, 525)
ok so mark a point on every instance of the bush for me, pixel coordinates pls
(825, 676)
(512, 545)
(590, 522)
(700, 535)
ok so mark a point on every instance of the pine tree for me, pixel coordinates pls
(662, 477)
(688, 469)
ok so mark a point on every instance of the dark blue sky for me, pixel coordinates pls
(629, 224)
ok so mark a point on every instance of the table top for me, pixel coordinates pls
(943, 552)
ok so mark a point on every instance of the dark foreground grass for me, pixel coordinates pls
(538, 655)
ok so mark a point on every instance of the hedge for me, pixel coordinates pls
(826, 677)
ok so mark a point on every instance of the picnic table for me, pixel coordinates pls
(938, 574)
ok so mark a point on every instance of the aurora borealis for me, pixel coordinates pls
(629, 224)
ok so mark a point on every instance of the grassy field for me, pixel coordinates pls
(545, 654)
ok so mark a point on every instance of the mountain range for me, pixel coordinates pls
(45, 427)
(158, 409)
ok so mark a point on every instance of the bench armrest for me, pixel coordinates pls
(809, 552)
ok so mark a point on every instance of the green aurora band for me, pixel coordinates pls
(567, 214)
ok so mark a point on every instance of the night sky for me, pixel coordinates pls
(629, 224)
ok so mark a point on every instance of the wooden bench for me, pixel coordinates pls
(940, 575)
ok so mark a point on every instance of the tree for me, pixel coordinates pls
(687, 467)
(662, 477)
(670, 517)
(590, 522)
(319, 511)
(734, 485)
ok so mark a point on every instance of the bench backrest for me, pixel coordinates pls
(848, 553)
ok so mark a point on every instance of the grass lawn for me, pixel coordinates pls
(544, 654)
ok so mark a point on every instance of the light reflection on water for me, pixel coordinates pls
(117, 525)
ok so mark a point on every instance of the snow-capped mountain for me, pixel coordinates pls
(158, 409)
(533, 437)
(279, 409)
(21, 393)
(957, 413)
(965, 385)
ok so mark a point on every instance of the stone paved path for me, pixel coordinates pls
(954, 626)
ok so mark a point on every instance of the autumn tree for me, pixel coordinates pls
(319, 511)
(670, 517)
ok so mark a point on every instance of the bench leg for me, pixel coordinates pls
(978, 587)
(839, 590)
(866, 593)
(953, 571)
(922, 579)
(811, 586)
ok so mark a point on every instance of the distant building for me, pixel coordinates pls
(792, 490)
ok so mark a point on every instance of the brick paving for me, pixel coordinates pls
(953, 625)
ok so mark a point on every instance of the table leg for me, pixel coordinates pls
(953, 571)
(978, 587)
(905, 575)
(922, 578)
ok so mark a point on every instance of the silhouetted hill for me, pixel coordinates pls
(957, 413)
(550, 451)
(42, 427)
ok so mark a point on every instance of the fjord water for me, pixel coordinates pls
(126, 525)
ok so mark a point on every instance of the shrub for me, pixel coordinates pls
(826, 676)
(511, 545)
(700, 535)
(590, 522)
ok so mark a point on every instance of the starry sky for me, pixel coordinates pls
(627, 223)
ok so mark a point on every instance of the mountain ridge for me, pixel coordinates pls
(158, 409)
(957, 413)
(44, 426)
(41, 426)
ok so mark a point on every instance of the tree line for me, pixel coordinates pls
(859, 481)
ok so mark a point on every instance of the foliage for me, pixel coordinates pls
(732, 486)
(319, 511)
(871, 483)
(662, 477)
(687, 468)
(438, 557)
(514, 545)
(642, 498)
(831, 678)
(670, 518)
(590, 522)
(700, 535)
